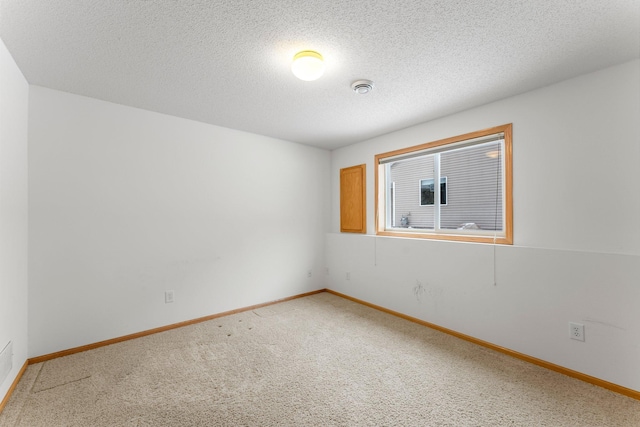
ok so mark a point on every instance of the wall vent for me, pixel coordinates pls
(6, 361)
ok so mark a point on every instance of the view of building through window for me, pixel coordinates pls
(470, 200)
(427, 191)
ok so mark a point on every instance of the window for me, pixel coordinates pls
(473, 201)
(427, 192)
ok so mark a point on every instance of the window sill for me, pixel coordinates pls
(412, 234)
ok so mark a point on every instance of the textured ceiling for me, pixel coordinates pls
(227, 62)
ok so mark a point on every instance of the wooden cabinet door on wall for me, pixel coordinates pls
(353, 206)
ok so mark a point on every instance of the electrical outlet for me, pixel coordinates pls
(309, 273)
(168, 297)
(348, 276)
(576, 331)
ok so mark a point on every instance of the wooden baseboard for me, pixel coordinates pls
(548, 365)
(14, 384)
(82, 348)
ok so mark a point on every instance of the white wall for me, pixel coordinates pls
(127, 203)
(14, 97)
(576, 257)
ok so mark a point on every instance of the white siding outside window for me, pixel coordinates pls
(472, 178)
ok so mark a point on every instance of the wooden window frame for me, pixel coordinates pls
(380, 198)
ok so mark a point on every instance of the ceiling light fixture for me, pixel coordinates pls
(307, 65)
(362, 87)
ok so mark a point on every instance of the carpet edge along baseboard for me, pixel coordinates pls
(80, 349)
(634, 394)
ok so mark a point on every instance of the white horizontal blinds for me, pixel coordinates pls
(447, 147)
(406, 176)
(474, 186)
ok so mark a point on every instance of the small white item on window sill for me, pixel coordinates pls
(469, 226)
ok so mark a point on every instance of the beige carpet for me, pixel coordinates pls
(315, 361)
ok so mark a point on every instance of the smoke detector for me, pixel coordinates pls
(362, 87)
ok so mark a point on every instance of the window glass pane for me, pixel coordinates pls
(474, 187)
(406, 176)
(427, 192)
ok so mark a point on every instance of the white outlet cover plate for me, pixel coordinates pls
(576, 331)
(168, 297)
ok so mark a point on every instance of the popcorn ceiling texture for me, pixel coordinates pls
(315, 361)
(228, 62)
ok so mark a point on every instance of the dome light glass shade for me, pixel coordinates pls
(307, 65)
